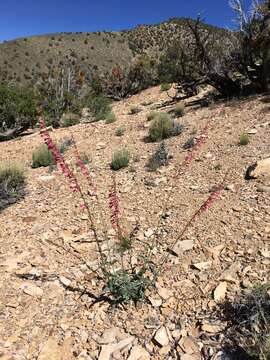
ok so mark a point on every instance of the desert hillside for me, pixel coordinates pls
(50, 303)
(30, 60)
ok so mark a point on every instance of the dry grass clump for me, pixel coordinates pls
(120, 159)
(152, 115)
(179, 109)
(243, 139)
(41, 156)
(110, 118)
(163, 127)
(12, 180)
(249, 319)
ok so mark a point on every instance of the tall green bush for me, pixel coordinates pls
(17, 111)
(99, 106)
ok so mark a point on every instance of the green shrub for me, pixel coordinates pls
(135, 110)
(120, 131)
(179, 109)
(165, 87)
(12, 180)
(110, 118)
(159, 158)
(161, 127)
(244, 139)
(41, 156)
(99, 106)
(69, 119)
(120, 159)
(152, 115)
(17, 111)
(177, 129)
(55, 108)
(125, 287)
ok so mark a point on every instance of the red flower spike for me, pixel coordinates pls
(58, 157)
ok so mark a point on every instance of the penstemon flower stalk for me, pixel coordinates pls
(204, 208)
(58, 157)
(92, 191)
(200, 141)
(115, 209)
(70, 176)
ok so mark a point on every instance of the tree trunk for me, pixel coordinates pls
(266, 49)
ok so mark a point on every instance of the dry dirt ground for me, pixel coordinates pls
(44, 237)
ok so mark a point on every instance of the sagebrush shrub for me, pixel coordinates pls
(162, 127)
(66, 144)
(244, 139)
(165, 87)
(120, 159)
(41, 156)
(12, 179)
(177, 129)
(110, 118)
(159, 158)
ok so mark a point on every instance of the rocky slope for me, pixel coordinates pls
(226, 251)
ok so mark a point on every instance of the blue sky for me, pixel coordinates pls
(20, 18)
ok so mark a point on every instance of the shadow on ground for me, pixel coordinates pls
(247, 336)
(7, 200)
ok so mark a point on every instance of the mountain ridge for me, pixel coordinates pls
(26, 60)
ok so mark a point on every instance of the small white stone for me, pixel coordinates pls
(161, 336)
(220, 291)
(252, 131)
(148, 233)
(138, 353)
(203, 265)
(32, 290)
(65, 281)
(183, 246)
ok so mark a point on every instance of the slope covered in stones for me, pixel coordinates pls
(44, 237)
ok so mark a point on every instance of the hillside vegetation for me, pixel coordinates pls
(28, 61)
